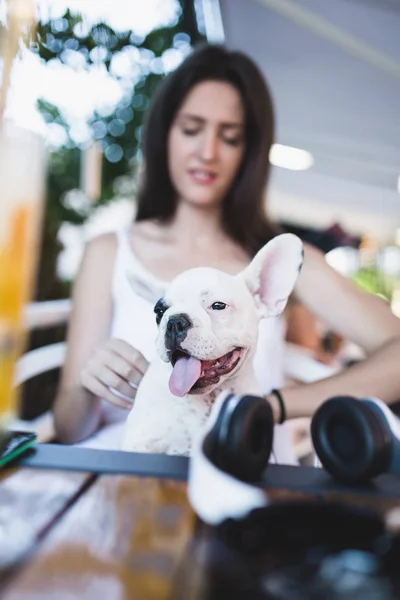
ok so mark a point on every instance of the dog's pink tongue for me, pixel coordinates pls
(186, 372)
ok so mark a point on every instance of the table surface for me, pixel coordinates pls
(78, 534)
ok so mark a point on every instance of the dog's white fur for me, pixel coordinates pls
(161, 422)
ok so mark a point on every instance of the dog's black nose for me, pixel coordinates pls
(177, 328)
(179, 324)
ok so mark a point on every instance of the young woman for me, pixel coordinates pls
(201, 202)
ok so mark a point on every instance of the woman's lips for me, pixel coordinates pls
(202, 177)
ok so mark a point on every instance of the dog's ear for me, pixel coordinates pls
(149, 290)
(272, 273)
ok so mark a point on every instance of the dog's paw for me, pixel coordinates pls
(147, 447)
(157, 447)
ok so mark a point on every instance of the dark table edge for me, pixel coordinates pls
(308, 480)
(104, 462)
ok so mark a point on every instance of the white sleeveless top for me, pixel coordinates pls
(134, 293)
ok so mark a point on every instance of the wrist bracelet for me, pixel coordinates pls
(282, 415)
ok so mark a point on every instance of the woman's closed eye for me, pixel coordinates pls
(191, 131)
(231, 140)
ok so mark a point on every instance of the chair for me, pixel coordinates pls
(41, 360)
(46, 314)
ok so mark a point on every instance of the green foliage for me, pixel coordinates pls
(374, 281)
(70, 40)
(119, 132)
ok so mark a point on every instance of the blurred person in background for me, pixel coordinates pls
(305, 330)
(201, 202)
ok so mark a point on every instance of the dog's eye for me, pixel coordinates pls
(159, 313)
(159, 310)
(218, 305)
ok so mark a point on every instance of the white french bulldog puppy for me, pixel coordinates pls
(207, 337)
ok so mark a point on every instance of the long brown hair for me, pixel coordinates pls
(244, 217)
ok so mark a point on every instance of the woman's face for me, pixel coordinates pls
(206, 143)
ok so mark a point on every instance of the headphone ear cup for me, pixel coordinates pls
(350, 440)
(242, 437)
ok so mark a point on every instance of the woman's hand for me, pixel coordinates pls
(114, 372)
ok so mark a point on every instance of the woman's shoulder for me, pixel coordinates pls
(100, 250)
(92, 283)
(102, 243)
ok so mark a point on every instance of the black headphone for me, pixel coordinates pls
(230, 456)
(356, 439)
(240, 441)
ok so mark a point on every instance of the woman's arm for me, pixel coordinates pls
(359, 317)
(76, 410)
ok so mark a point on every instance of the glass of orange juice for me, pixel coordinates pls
(22, 175)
